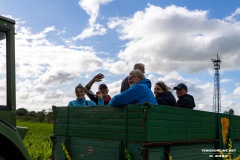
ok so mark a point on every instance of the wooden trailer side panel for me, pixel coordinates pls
(191, 151)
(92, 149)
(94, 122)
(89, 133)
(163, 123)
(104, 132)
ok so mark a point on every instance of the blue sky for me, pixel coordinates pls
(60, 44)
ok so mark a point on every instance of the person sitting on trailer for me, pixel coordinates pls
(102, 89)
(138, 93)
(163, 94)
(125, 85)
(184, 100)
(80, 92)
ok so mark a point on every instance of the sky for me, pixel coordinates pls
(60, 44)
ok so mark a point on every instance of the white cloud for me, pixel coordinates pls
(234, 17)
(167, 40)
(225, 80)
(95, 29)
(114, 87)
(118, 67)
(175, 38)
(45, 71)
(36, 56)
(92, 9)
(236, 91)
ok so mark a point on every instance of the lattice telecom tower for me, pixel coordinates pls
(216, 93)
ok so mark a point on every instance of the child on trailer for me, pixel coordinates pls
(81, 101)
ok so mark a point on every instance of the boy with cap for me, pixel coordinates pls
(184, 100)
(102, 89)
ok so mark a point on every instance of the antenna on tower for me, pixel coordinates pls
(216, 92)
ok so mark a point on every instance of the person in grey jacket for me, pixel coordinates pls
(184, 100)
(125, 85)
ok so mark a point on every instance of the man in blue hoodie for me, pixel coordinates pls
(138, 93)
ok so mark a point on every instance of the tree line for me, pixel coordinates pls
(41, 116)
(47, 116)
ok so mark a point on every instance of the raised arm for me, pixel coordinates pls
(97, 78)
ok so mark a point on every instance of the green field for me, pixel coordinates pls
(37, 140)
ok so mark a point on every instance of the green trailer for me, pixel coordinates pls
(11, 145)
(143, 132)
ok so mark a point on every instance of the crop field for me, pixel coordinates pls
(37, 140)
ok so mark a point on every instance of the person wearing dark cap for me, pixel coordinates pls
(102, 90)
(184, 100)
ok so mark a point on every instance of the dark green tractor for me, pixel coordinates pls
(11, 144)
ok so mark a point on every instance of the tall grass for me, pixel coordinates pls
(37, 140)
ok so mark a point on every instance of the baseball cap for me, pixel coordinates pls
(102, 86)
(181, 86)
